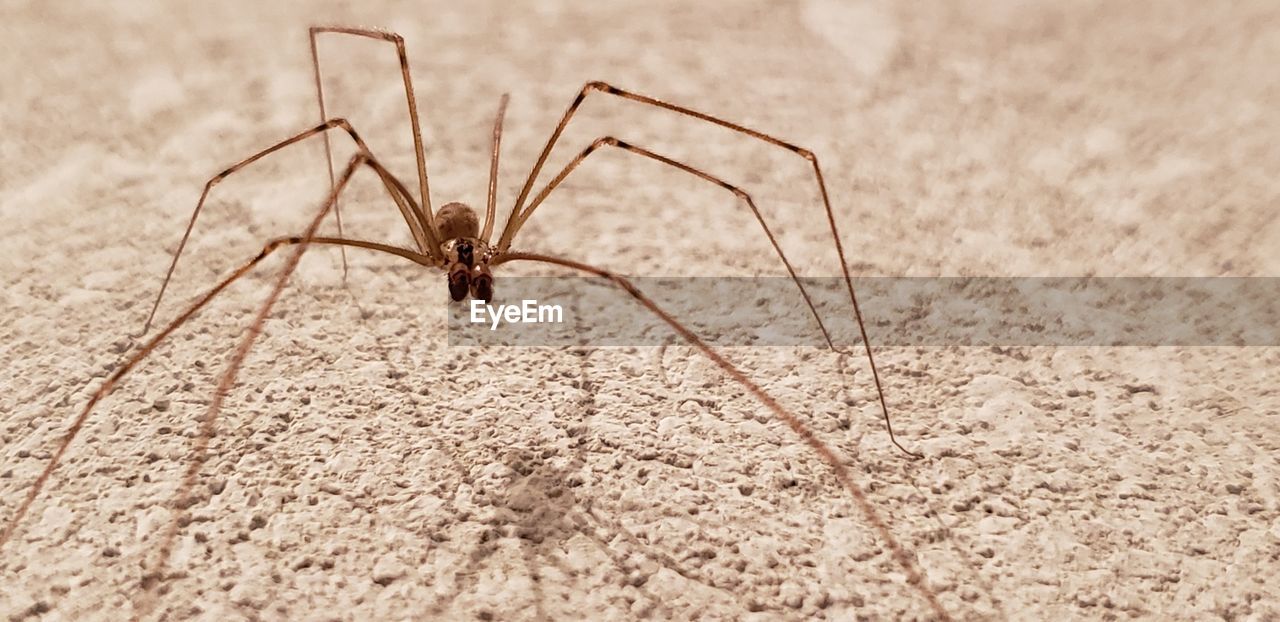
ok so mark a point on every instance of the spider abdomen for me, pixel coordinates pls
(457, 220)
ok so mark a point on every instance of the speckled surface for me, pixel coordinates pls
(363, 469)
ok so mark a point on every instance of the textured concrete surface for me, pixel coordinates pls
(364, 470)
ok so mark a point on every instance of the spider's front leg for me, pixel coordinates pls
(412, 213)
(419, 153)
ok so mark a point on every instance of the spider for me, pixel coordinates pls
(455, 241)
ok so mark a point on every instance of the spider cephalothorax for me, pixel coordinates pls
(468, 256)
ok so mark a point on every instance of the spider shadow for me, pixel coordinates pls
(535, 505)
(536, 502)
(540, 504)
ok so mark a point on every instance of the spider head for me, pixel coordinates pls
(464, 252)
(468, 271)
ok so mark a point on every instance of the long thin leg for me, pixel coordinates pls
(610, 141)
(403, 200)
(906, 561)
(490, 212)
(147, 348)
(208, 423)
(328, 147)
(509, 232)
(418, 152)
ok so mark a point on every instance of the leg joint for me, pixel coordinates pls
(738, 192)
(337, 122)
(599, 86)
(278, 242)
(606, 141)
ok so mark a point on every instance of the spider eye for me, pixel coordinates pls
(466, 254)
(459, 282)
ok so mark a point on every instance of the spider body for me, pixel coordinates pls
(467, 256)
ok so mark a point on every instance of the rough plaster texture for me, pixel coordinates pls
(365, 470)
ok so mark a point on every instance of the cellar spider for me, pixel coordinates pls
(454, 241)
